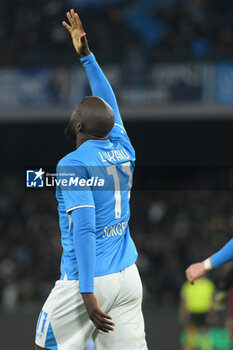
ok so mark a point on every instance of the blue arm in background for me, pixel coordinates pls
(224, 255)
(85, 246)
(100, 86)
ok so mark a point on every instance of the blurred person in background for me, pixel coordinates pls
(195, 307)
(221, 257)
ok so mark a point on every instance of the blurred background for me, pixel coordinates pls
(170, 63)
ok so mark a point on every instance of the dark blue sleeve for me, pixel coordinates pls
(224, 255)
(85, 246)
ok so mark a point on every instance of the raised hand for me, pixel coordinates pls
(77, 33)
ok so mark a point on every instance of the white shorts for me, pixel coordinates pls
(64, 324)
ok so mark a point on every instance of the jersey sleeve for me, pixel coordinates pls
(72, 179)
(101, 87)
(85, 246)
(224, 255)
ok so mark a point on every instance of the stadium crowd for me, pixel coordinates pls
(31, 31)
(170, 229)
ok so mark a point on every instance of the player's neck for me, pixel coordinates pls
(86, 137)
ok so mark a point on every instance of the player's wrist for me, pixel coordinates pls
(84, 49)
(87, 296)
(84, 53)
(208, 264)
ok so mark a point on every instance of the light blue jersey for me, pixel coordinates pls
(111, 160)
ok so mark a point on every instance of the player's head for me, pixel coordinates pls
(92, 118)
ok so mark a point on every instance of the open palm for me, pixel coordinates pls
(77, 33)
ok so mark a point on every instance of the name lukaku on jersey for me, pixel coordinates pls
(114, 156)
(115, 230)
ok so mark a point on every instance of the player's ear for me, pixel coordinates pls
(79, 127)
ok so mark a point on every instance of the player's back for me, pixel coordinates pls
(107, 167)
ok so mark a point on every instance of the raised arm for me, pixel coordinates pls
(100, 86)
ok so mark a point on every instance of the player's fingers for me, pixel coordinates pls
(191, 279)
(106, 327)
(70, 19)
(103, 320)
(102, 314)
(103, 329)
(72, 15)
(78, 21)
(108, 323)
(189, 276)
(67, 26)
(100, 325)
